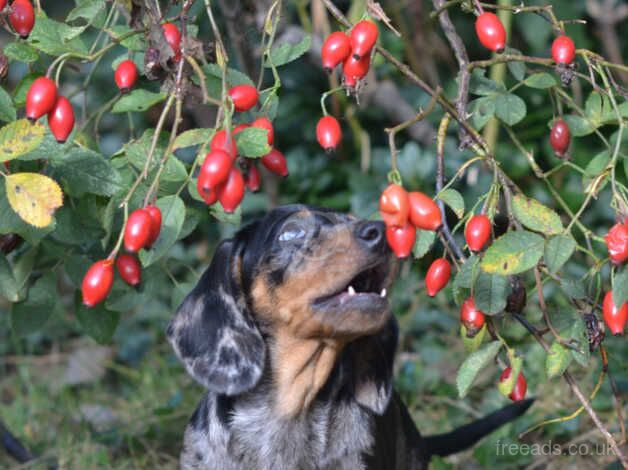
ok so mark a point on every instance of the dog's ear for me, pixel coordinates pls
(373, 361)
(213, 333)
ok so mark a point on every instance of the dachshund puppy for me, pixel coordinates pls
(291, 332)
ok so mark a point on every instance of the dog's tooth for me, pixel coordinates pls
(383, 294)
(351, 290)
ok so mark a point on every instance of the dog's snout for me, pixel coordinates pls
(371, 235)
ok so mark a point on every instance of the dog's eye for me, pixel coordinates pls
(292, 233)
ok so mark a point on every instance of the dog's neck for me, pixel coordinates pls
(300, 368)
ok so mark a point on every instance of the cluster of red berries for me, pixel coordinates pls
(617, 244)
(405, 212)
(353, 51)
(141, 231)
(492, 35)
(42, 99)
(21, 16)
(219, 178)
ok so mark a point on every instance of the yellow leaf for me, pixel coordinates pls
(34, 197)
(19, 138)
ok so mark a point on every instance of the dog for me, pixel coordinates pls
(291, 332)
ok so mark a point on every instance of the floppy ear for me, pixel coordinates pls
(373, 360)
(213, 333)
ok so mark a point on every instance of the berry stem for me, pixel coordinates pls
(118, 245)
(325, 95)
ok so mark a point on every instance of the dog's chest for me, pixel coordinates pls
(327, 437)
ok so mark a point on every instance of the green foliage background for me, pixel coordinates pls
(132, 414)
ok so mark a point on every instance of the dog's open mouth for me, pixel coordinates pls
(365, 291)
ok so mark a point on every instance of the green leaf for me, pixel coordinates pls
(219, 214)
(138, 100)
(468, 273)
(490, 292)
(8, 285)
(213, 79)
(454, 200)
(21, 89)
(540, 80)
(423, 243)
(285, 53)
(557, 361)
(558, 250)
(620, 287)
(86, 171)
(97, 322)
(516, 67)
(173, 214)
(138, 150)
(32, 313)
(55, 38)
(134, 43)
(573, 288)
(510, 108)
(513, 253)
(473, 364)
(482, 110)
(193, 137)
(19, 138)
(578, 332)
(536, 216)
(252, 142)
(472, 344)
(86, 9)
(483, 86)
(7, 110)
(596, 108)
(578, 126)
(21, 52)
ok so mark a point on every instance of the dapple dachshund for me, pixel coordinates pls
(290, 330)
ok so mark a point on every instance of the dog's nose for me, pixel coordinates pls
(371, 235)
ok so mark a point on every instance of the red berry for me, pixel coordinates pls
(614, 317)
(231, 193)
(126, 75)
(155, 227)
(209, 196)
(97, 282)
(264, 123)
(472, 318)
(41, 98)
(173, 38)
(22, 17)
(563, 50)
(401, 239)
(559, 137)
(217, 165)
(354, 69)
(129, 269)
(3, 3)
(617, 242)
(519, 391)
(239, 128)
(363, 38)
(437, 276)
(394, 206)
(219, 142)
(138, 230)
(244, 97)
(491, 32)
(336, 49)
(478, 232)
(328, 133)
(61, 119)
(275, 161)
(424, 212)
(253, 178)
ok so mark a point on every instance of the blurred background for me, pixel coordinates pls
(124, 404)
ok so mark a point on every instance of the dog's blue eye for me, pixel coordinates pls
(289, 235)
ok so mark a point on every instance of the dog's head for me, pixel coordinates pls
(302, 285)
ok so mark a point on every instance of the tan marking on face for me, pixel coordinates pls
(307, 343)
